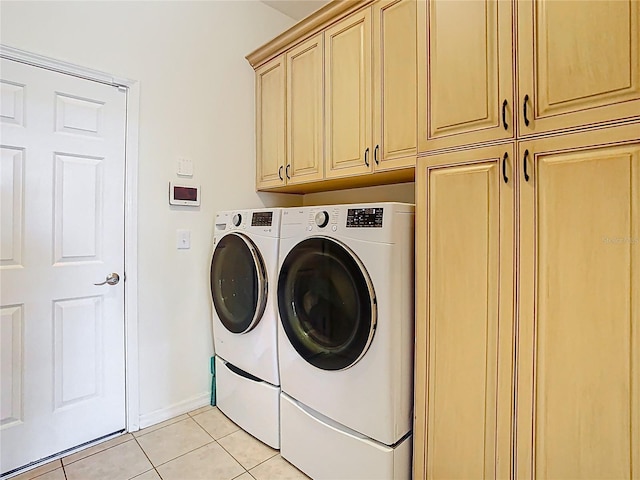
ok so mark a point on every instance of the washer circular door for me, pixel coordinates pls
(327, 303)
(238, 283)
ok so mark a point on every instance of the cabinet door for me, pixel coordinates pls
(304, 112)
(465, 72)
(394, 84)
(578, 399)
(578, 63)
(464, 318)
(348, 96)
(270, 123)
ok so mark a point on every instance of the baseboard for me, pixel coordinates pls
(185, 406)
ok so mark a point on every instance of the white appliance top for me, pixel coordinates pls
(367, 221)
(264, 222)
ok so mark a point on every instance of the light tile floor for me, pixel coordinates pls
(203, 444)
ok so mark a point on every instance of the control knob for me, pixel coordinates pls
(236, 220)
(322, 219)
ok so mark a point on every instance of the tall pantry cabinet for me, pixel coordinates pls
(578, 307)
(528, 247)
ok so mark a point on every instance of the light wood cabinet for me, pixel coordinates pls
(270, 123)
(350, 99)
(395, 91)
(465, 72)
(348, 96)
(547, 386)
(305, 149)
(578, 63)
(464, 329)
(371, 91)
(578, 397)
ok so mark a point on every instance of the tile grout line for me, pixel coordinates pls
(171, 421)
(153, 467)
(232, 456)
(175, 458)
(264, 461)
(95, 453)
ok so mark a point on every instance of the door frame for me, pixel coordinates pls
(132, 88)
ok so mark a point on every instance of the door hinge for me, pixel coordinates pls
(121, 88)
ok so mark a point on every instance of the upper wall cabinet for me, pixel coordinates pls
(305, 158)
(371, 90)
(348, 95)
(395, 91)
(578, 63)
(465, 65)
(270, 131)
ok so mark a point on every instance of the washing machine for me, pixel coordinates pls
(243, 289)
(346, 335)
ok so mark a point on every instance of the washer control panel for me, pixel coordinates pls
(365, 217)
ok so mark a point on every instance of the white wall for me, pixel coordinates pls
(196, 101)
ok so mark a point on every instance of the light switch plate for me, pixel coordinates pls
(185, 167)
(183, 239)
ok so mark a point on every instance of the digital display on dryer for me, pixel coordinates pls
(364, 217)
(261, 219)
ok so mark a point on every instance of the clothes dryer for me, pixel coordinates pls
(346, 306)
(243, 280)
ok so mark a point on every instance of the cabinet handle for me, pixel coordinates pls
(280, 172)
(287, 171)
(524, 110)
(504, 167)
(366, 157)
(504, 115)
(526, 175)
(375, 154)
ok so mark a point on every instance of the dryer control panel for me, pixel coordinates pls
(261, 219)
(365, 217)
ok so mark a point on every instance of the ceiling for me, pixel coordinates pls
(296, 9)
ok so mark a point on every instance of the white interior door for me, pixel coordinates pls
(62, 231)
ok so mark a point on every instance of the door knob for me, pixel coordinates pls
(112, 279)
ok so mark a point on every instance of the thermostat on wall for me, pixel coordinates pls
(184, 195)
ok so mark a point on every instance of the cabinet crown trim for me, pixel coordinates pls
(306, 27)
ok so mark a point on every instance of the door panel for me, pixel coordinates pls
(78, 201)
(270, 123)
(464, 349)
(305, 149)
(579, 315)
(466, 72)
(12, 326)
(62, 231)
(348, 96)
(579, 64)
(395, 88)
(78, 352)
(11, 206)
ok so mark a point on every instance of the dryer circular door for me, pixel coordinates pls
(327, 303)
(238, 283)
